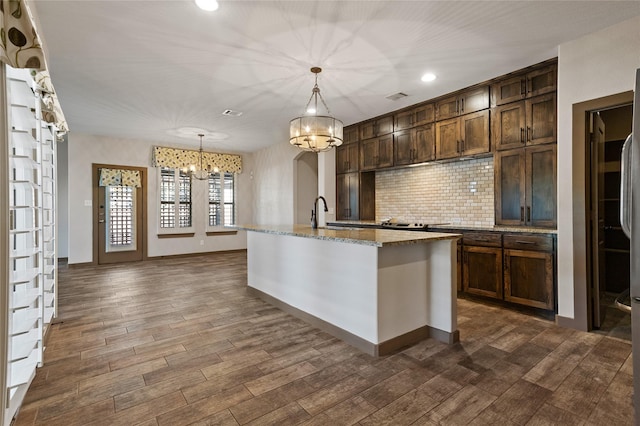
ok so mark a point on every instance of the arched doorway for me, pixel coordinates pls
(305, 186)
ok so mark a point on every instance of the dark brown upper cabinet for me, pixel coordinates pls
(529, 122)
(378, 127)
(376, 153)
(415, 145)
(525, 186)
(347, 157)
(423, 114)
(466, 135)
(533, 83)
(465, 102)
(351, 134)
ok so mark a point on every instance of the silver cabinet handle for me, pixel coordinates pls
(625, 187)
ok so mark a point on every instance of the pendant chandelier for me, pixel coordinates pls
(199, 171)
(313, 132)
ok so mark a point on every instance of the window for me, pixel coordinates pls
(222, 199)
(175, 199)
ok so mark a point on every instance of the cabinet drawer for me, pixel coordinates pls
(529, 242)
(486, 239)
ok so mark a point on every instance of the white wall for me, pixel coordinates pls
(306, 183)
(62, 200)
(594, 66)
(84, 150)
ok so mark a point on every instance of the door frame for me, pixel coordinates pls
(96, 202)
(582, 140)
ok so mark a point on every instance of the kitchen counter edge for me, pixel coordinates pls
(363, 236)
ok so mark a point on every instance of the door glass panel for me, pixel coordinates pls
(120, 218)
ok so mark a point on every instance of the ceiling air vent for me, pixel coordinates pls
(397, 96)
(232, 113)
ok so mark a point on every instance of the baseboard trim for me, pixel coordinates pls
(202, 253)
(376, 350)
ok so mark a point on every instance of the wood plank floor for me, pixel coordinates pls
(179, 341)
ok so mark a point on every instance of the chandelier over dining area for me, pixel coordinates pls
(313, 132)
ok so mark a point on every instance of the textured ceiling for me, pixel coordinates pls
(141, 69)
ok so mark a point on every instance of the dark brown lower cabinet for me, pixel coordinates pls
(529, 270)
(482, 271)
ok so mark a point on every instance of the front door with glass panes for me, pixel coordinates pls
(119, 211)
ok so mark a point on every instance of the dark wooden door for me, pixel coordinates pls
(482, 271)
(474, 133)
(404, 120)
(347, 158)
(509, 174)
(347, 185)
(403, 147)
(473, 100)
(385, 151)
(350, 134)
(509, 123)
(120, 219)
(424, 114)
(541, 188)
(510, 90)
(369, 154)
(447, 108)
(542, 81)
(424, 143)
(528, 278)
(448, 138)
(541, 119)
(384, 125)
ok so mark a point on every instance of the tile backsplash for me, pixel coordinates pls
(459, 192)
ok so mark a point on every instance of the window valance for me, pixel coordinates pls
(20, 46)
(118, 177)
(180, 158)
(51, 110)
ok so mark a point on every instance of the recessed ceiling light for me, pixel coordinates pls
(208, 5)
(428, 77)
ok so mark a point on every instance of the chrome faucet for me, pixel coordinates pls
(314, 221)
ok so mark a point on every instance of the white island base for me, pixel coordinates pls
(378, 298)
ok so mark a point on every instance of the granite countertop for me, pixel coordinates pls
(364, 236)
(455, 227)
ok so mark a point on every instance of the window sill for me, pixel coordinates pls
(177, 235)
(221, 232)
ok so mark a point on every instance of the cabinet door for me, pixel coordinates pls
(403, 120)
(350, 134)
(542, 81)
(474, 133)
(510, 90)
(541, 173)
(424, 114)
(347, 158)
(528, 278)
(385, 151)
(509, 181)
(347, 185)
(369, 154)
(541, 119)
(424, 143)
(509, 123)
(384, 125)
(367, 130)
(473, 100)
(403, 147)
(448, 139)
(447, 108)
(482, 271)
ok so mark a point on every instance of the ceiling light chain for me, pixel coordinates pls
(315, 132)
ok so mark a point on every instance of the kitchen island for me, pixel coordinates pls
(377, 289)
